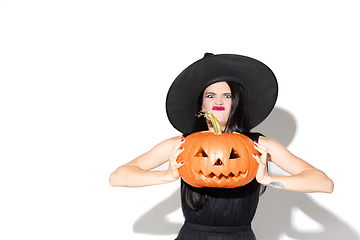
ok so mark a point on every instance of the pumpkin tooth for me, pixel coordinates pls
(221, 176)
(240, 176)
(206, 172)
(200, 175)
(197, 174)
(211, 175)
(215, 178)
(217, 172)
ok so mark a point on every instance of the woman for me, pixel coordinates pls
(240, 92)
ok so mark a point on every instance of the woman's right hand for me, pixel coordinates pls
(173, 170)
(137, 173)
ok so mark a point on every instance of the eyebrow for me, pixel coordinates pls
(215, 93)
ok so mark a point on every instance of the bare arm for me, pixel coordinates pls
(304, 177)
(137, 172)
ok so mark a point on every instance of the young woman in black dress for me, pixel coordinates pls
(240, 92)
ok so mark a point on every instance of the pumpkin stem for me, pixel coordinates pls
(215, 123)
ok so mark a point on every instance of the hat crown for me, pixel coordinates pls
(207, 54)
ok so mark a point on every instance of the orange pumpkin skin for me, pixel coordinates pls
(220, 161)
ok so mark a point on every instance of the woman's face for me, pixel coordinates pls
(217, 100)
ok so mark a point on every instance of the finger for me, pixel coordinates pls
(257, 158)
(181, 140)
(258, 145)
(180, 164)
(261, 149)
(179, 143)
(177, 147)
(177, 153)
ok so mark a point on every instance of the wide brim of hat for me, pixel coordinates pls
(258, 81)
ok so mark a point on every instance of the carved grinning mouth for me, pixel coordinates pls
(217, 178)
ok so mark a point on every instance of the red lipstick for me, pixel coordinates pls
(216, 108)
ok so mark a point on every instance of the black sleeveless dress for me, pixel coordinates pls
(219, 213)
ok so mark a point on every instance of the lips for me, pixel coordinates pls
(216, 108)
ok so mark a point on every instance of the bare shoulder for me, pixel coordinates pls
(271, 144)
(282, 157)
(167, 144)
(165, 147)
(276, 150)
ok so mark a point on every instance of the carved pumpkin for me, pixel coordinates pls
(221, 160)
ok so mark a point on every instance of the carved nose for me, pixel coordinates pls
(218, 162)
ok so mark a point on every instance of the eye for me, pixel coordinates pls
(234, 154)
(227, 96)
(200, 153)
(209, 96)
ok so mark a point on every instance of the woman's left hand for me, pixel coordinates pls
(262, 175)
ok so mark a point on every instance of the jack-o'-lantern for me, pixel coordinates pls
(221, 160)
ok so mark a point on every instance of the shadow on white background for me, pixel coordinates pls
(280, 215)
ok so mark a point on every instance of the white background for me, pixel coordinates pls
(83, 88)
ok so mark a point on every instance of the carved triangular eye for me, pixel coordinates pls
(218, 162)
(234, 154)
(201, 153)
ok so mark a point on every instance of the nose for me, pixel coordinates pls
(219, 101)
